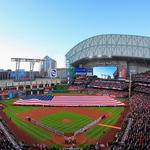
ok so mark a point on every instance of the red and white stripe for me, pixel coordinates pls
(72, 101)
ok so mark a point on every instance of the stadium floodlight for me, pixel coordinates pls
(32, 63)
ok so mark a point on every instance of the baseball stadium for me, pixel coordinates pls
(82, 110)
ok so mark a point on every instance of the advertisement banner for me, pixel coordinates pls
(84, 71)
(122, 71)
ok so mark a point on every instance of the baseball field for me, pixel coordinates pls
(63, 119)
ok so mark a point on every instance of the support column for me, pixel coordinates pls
(31, 70)
(38, 92)
(17, 87)
(17, 70)
(31, 92)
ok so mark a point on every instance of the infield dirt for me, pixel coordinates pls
(46, 111)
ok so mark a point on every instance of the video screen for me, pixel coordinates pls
(104, 72)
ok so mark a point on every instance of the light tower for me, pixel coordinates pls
(130, 82)
(32, 63)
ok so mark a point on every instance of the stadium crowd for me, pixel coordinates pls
(113, 93)
(136, 136)
(142, 77)
(75, 88)
(135, 133)
(82, 79)
(7, 139)
(4, 142)
(120, 85)
(140, 88)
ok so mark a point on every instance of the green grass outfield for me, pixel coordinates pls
(77, 121)
(13, 112)
(98, 131)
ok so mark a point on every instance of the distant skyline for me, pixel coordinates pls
(36, 28)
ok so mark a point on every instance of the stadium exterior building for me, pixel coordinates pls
(129, 53)
(47, 65)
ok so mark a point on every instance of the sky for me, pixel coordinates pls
(36, 28)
